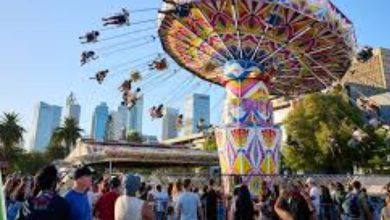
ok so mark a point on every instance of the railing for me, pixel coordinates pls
(373, 183)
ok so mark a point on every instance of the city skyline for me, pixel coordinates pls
(136, 116)
(46, 119)
(120, 119)
(131, 119)
(50, 68)
(196, 108)
(169, 123)
(99, 122)
(72, 108)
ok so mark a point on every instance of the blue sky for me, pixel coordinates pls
(40, 52)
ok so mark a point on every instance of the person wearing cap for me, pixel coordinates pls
(128, 206)
(47, 205)
(105, 206)
(77, 197)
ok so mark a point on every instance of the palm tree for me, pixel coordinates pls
(68, 134)
(11, 133)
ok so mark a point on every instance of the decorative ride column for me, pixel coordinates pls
(248, 142)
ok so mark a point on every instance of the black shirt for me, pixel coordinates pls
(211, 204)
(45, 206)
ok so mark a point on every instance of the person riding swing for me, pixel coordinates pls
(180, 10)
(87, 56)
(90, 37)
(120, 19)
(100, 76)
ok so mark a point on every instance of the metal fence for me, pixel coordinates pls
(373, 183)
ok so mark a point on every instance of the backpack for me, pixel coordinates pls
(352, 206)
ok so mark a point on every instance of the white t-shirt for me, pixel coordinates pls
(93, 197)
(128, 208)
(175, 199)
(315, 194)
(188, 204)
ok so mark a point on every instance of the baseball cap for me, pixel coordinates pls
(82, 171)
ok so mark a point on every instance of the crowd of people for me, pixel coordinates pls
(126, 197)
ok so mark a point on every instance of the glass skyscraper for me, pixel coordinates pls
(126, 120)
(72, 109)
(120, 120)
(169, 126)
(197, 106)
(45, 120)
(99, 120)
(135, 117)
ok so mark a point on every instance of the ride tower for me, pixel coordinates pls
(255, 49)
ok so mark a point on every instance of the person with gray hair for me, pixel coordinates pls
(128, 206)
(315, 194)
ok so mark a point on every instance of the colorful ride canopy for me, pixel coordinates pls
(295, 46)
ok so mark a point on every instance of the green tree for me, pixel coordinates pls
(319, 132)
(55, 152)
(210, 143)
(11, 133)
(30, 162)
(134, 137)
(379, 139)
(67, 135)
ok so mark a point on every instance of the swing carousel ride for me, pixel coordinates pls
(254, 49)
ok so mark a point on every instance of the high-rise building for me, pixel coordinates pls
(72, 109)
(109, 134)
(124, 121)
(135, 117)
(169, 126)
(45, 120)
(197, 107)
(120, 123)
(99, 121)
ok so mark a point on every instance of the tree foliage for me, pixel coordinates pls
(26, 162)
(11, 133)
(134, 137)
(55, 152)
(30, 162)
(67, 134)
(210, 143)
(19, 160)
(319, 132)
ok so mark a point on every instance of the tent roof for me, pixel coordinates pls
(100, 152)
